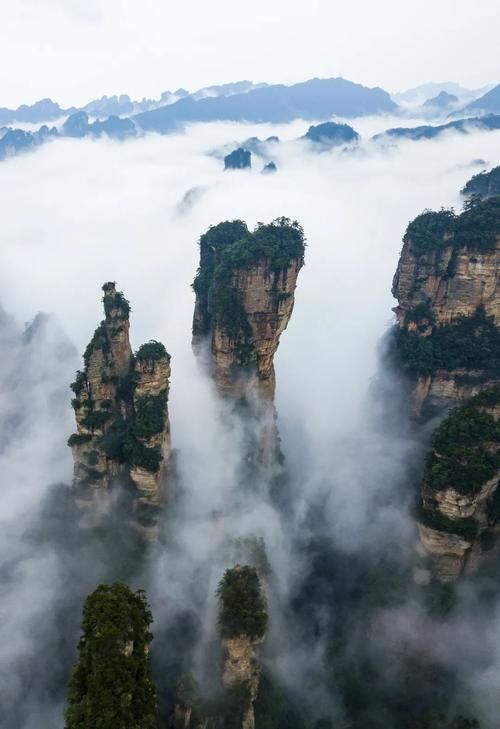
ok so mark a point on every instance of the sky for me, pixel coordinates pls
(75, 50)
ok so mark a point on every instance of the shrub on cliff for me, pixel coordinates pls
(111, 686)
(483, 185)
(114, 300)
(471, 343)
(242, 606)
(151, 350)
(464, 447)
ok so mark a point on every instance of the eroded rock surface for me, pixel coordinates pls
(448, 293)
(245, 290)
(121, 410)
(459, 518)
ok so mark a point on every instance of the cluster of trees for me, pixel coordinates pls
(226, 248)
(483, 185)
(476, 228)
(471, 343)
(111, 687)
(242, 603)
(465, 447)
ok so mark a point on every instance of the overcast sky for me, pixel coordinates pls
(75, 50)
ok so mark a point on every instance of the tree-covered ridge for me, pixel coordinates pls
(483, 185)
(476, 228)
(242, 605)
(471, 343)
(111, 685)
(466, 446)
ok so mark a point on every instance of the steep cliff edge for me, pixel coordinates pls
(243, 623)
(459, 517)
(448, 312)
(121, 410)
(245, 289)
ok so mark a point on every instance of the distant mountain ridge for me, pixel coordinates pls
(490, 122)
(48, 110)
(488, 103)
(313, 99)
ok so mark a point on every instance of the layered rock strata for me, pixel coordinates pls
(459, 518)
(121, 410)
(245, 289)
(447, 287)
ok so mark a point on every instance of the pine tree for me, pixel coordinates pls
(111, 685)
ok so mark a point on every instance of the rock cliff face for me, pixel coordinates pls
(459, 518)
(243, 622)
(448, 292)
(121, 410)
(241, 669)
(245, 289)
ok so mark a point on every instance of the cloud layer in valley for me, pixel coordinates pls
(78, 213)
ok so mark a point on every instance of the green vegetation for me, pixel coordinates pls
(152, 350)
(428, 229)
(468, 342)
(464, 447)
(493, 506)
(111, 686)
(137, 454)
(233, 706)
(96, 419)
(483, 185)
(227, 248)
(100, 340)
(92, 458)
(77, 439)
(114, 300)
(215, 240)
(242, 606)
(79, 384)
(475, 228)
(420, 312)
(466, 528)
(150, 414)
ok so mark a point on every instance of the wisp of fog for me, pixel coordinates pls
(77, 213)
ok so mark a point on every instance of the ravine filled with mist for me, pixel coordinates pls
(315, 488)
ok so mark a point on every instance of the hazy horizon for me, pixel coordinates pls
(117, 47)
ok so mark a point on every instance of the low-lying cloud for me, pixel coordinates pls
(78, 213)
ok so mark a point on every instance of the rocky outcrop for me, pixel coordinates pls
(448, 292)
(459, 518)
(238, 159)
(245, 289)
(269, 168)
(121, 410)
(241, 669)
(243, 622)
(331, 134)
